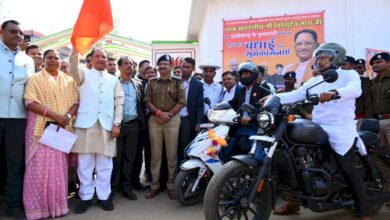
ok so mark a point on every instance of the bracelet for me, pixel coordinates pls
(45, 112)
(158, 112)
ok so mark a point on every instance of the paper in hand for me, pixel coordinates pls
(58, 138)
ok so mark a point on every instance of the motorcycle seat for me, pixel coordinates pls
(369, 138)
(370, 124)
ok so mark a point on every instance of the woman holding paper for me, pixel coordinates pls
(50, 96)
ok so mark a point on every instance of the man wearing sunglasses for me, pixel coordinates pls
(14, 71)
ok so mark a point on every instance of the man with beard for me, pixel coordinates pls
(336, 117)
(305, 42)
(133, 121)
(35, 52)
(15, 67)
(192, 114)
(164, 98)
(251, 94)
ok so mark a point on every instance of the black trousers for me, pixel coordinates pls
(12, 137)
(126, 153)
(143, 146)
(347, 165)
(186, 135)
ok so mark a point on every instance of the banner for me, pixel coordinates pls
(270, 40)
(369, 54)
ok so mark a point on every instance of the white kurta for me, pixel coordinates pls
(336, 117)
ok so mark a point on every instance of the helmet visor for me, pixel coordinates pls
(323, 59)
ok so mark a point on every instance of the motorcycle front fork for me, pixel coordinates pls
(201, 173)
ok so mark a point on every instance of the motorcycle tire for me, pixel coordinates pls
(219, 186)
(184, 181)
(384, 170)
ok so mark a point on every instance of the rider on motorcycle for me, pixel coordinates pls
(336, 117)
(251, 94)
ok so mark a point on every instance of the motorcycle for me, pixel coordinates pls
(298, 160)
(202, 155)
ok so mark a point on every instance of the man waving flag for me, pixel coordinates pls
(93, 23)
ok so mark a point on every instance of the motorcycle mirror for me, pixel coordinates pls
(330, 75)
(245, 107)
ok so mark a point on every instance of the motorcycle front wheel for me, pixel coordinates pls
(184, 182)
(227, 195)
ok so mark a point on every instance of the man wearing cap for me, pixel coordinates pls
(211, 89)
(348, 63)
(289, 79)
(380, 64)
(364, 102)
(164, 98)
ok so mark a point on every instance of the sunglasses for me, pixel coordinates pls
(14, 32)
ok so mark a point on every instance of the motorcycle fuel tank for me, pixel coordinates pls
(306, 132)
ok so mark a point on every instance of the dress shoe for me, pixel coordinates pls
(129, 194)
(106, 205)
(287, 208)
(151, 193)
(171, 194)
(83, 206)
(139, 186)
(16, 213)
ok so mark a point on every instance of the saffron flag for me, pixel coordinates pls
(93, 23)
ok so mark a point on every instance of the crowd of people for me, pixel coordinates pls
(127, 114)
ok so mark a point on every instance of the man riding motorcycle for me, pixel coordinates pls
(251, 94)
(336, 117)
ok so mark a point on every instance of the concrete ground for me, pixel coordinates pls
(162, 208)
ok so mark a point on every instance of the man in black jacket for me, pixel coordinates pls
(191, 115)
(133, 121)
(251, 94)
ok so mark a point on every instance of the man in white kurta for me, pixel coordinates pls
(336, 117)
(97, 126)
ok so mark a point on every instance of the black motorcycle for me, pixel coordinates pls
(297, 160)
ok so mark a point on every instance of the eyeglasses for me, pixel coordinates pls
(16, 32)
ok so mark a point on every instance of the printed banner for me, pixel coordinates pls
(270, 41)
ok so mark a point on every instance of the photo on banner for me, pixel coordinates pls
(269, 41)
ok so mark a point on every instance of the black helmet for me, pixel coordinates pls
(250, 67)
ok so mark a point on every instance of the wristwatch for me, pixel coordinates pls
(117, 124)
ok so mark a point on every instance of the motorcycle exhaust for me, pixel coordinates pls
(372, 200)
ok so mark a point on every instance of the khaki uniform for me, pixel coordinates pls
(381, 105)
(164, 95)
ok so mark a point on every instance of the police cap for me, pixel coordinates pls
(379, 56)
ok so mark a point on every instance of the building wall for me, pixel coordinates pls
(355, 24)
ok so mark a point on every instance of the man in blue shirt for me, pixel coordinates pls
(133, 121)
(15, 68)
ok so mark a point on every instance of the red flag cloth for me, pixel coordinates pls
(93, 23)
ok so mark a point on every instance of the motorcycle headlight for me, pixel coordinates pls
(266, 120)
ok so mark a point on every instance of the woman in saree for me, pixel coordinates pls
(50, 96)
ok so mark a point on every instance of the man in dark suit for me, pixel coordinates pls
(230, 85)
(251, 94)
(191, 115)
(133, 121)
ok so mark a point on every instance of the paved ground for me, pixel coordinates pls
(162, 208)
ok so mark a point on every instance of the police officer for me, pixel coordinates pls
(348, 63)
(164, 98)
(380, 64)
(363, 103)
(289, 79)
